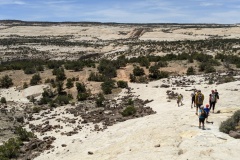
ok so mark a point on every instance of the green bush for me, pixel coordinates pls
(100, 99)
(229, 79)
(107, 86)
(6, 82)
(10, 149)
(62, 99)
(3, 100)
(236, 117)
(190, 71)
(29, 70)
(122, 84)
(130, 102)
(36, 109)
(35, 79)
(227, 126)
(128, 111)
(69, 83)
(82, 96)
(23, 134)
(25, 85)
(230, 123)
(137, 71)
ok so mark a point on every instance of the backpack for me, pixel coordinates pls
(204, 113)
(200, 98)
(212, 97)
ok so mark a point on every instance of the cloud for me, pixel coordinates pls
(12, 2)
(208, 4)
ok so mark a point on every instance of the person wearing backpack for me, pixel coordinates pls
(179, 99)
(212, 100)
(217, 95)
(207, 110)
(202, 116)
(193, 98)
(199, 98)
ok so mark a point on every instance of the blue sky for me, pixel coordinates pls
(123, 11)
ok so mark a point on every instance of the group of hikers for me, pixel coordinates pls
(197, 99)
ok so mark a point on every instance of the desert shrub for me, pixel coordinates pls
(25, 85)
(137, 71)
(35, 79)
(62, 99)
(29, 70)
(69, 83)
(228, 79)
(81, 87)
(163, 74)
(107, 68)
(3, 100)
(210, 81)
(209, 69)
(23, 134)
(133, 78)
(60, 75)
(227, 126)
(10, 149)
(122, 84)
(154, 72)
(230, 123)
(96, 77)
(206, 67)
(162, 64)
(142, 79)
(36, 109)
(130, 102)
(236, 117)
(39, 68)
(190, 71)
(6, 82)
(82, 96)
(100, 99)
(128, 111)
(107, 86)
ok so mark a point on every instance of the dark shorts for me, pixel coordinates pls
(201, 120)
(199, 105)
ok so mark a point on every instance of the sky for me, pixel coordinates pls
(123, 11)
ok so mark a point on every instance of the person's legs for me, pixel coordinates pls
(210, 106)
(213, 106)
(197, 106)
(199, 126)
(203, 124)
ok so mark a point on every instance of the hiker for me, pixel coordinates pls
(212, 100)
(202, 116)
(193, 98)
(207, 110)
(179, 99)
(217, 95)
(198, 100)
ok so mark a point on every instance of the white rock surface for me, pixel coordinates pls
(174, 128)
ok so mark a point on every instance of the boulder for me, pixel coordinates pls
(234, 134)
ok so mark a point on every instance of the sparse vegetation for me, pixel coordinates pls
(231, 123)
(6, 82)
(128, 111)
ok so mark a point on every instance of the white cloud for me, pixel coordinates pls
(208, 4)
(8, 2)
